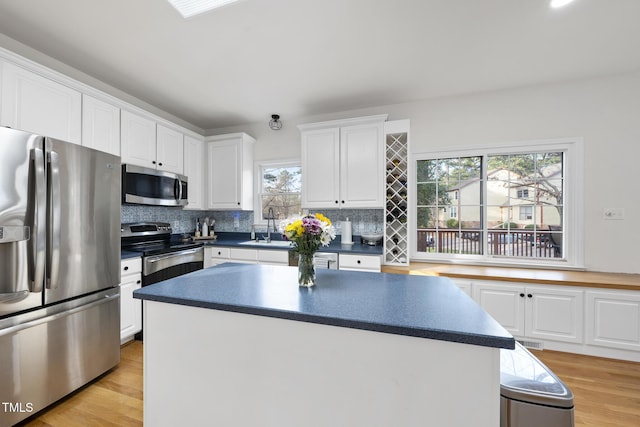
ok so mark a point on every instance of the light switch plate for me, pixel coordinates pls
(613, 213)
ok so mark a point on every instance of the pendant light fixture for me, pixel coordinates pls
(275, 123)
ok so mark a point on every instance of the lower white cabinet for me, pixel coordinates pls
(539, 312)
(130, 308)
(614, 319)
(356, 262)
(214, 255)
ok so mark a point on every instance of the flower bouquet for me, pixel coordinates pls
(307, 234)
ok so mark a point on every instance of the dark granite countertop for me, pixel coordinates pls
(235, 239)
(127, 254)
(419, 306)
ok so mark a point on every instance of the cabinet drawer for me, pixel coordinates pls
(217, 253)
(130, 266)
(360, 262)
(249, 255)
(273, 257)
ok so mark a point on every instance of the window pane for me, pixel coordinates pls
(283, 205)
(280, 190)
(281, 180)
(522, 216)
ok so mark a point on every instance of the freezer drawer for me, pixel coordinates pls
(48, 353)
(531, 395)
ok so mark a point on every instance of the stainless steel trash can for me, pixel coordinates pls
(530, 394)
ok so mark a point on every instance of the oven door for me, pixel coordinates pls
(153, 187)
(156, 268)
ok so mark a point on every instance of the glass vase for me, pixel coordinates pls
(306, 271)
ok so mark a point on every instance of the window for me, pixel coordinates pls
(505, 205)
(278, 187)
(526, 213)
(453, 212)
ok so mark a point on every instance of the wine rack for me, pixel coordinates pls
(396, 206)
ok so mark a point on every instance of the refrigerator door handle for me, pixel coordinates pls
(38, 240)
(54, 221)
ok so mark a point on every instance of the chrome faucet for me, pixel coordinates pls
(270, 217)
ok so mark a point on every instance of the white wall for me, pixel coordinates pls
(605, 112)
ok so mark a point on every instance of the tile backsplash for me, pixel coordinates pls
(183, 221)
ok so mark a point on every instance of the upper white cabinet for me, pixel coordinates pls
(169, 149)
(100, 125)
(138, 140)
(343, 163)
(36, 104)
(194, 170)
(146, 144)
(230, 172)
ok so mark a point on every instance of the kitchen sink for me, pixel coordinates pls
(273, 243)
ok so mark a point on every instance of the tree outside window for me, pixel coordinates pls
(280, 189)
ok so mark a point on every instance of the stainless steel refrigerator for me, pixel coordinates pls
(59, 270)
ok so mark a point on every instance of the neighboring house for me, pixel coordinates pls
(510, 198)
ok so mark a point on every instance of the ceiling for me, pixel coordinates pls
(243, 62)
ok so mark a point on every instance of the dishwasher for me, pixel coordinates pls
(530, 394)
(325, 260)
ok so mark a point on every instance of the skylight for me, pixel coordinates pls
(189, 8)
(559, 3)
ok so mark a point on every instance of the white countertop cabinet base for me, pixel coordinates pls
(255, 370)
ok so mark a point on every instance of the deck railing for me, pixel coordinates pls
(519, 243)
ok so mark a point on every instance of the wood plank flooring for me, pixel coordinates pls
(115, 399)
(606, 393)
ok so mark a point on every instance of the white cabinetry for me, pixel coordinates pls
(230, 172)
(343, 163)
(138, 140)
(614, 319)
(100, 125)
(149, 145)
(540, 312)
(130, 308)
(36, 104)
(169, 149)
(357, 262)
(194, 170)
(214, 255)
(218, 255)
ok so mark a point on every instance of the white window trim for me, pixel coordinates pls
(257, 174)
(574, 202)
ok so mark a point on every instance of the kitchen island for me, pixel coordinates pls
(244, 345)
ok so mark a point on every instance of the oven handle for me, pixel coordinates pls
(156, 258)
(156, 263)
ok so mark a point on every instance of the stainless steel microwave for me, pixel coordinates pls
(144, 186)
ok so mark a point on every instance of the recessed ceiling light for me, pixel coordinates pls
(189, 8)
(559, 3)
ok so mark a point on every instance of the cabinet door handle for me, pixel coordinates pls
(358, 261)
(160, 164)
(138, 282)
(153, 162)
(336, 202)
(529, 296)
(521, 295)
(126, 268)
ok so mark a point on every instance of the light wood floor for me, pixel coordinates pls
(114, 399)
(607, 393)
